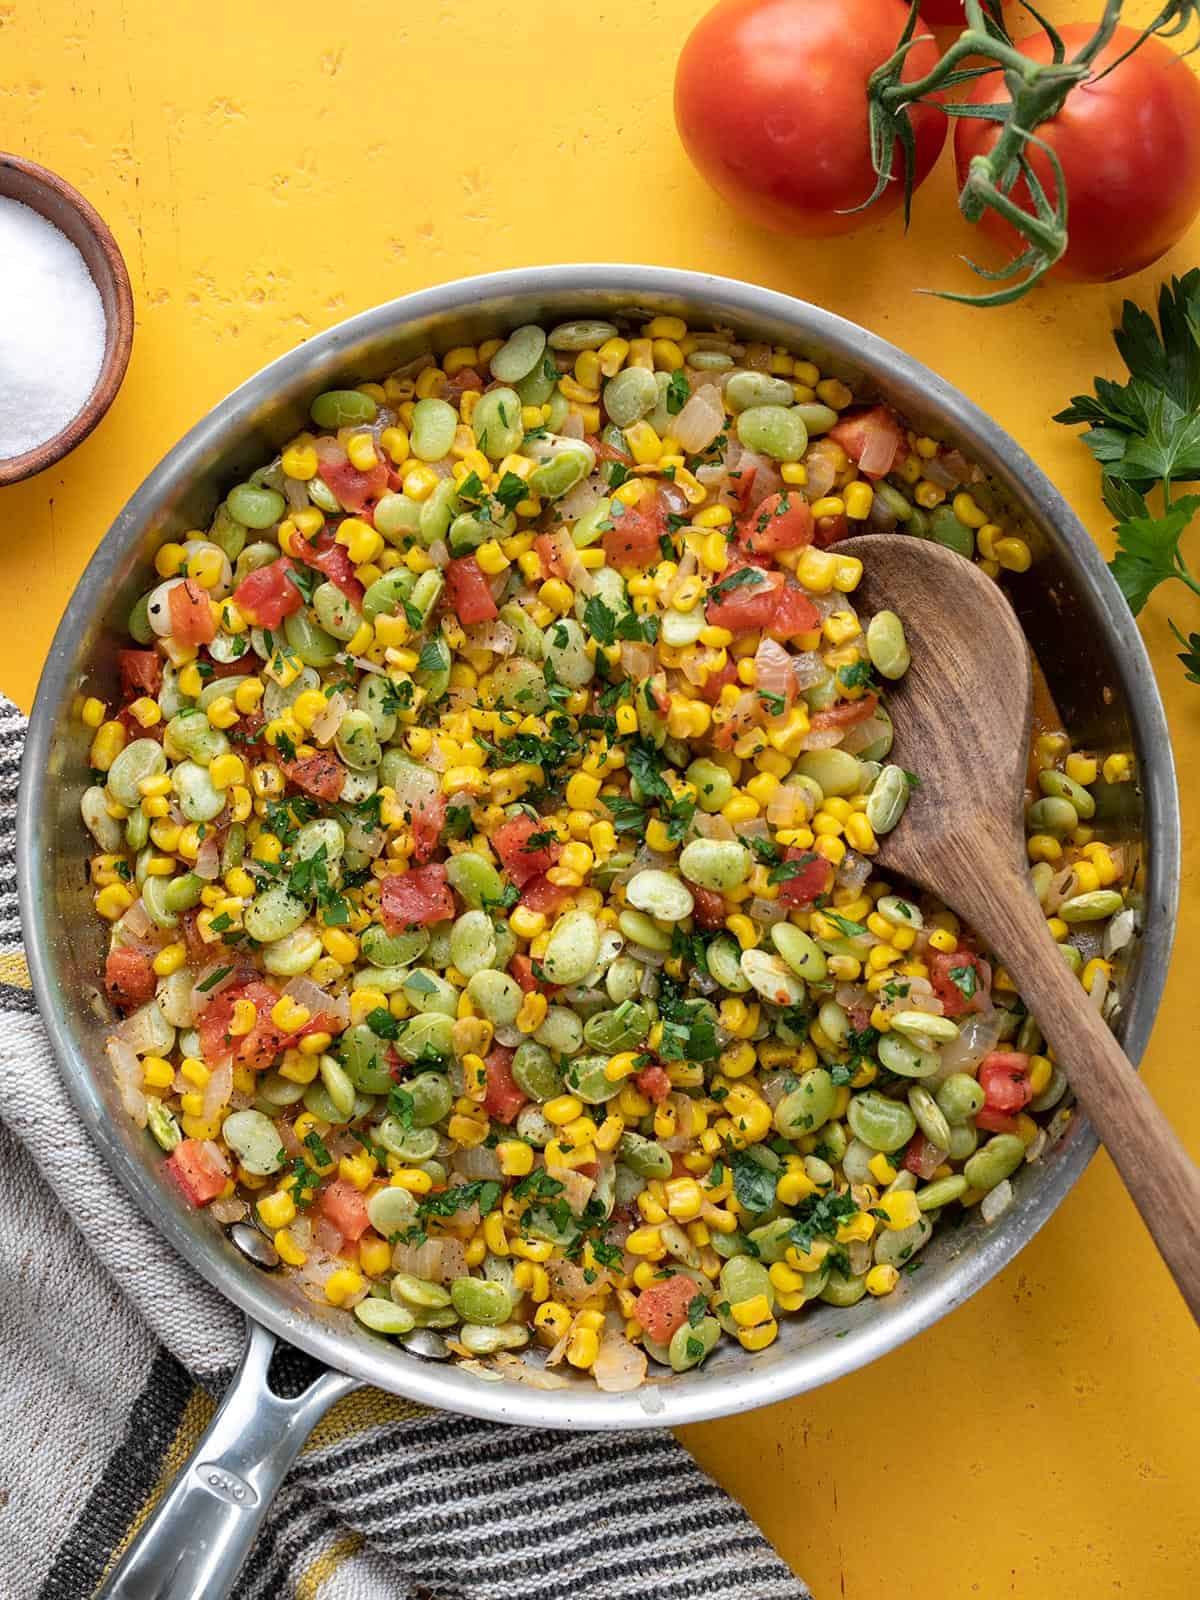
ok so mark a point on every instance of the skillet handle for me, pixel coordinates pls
(194, 1543)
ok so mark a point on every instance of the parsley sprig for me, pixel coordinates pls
(1145, 435)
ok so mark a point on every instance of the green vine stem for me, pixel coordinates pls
(1037, 92)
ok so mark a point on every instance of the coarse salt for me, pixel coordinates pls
(52, 330)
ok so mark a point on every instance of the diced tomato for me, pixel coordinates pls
(846, 714)
(134, 728)
(504, 1097)
(654, 1083)
(511, 843)
(716, 681)
(663, 1307)
(141, 672)
(321, 776)
(191, 614)
(409, 899)
(267, 595)
(428, 817)
(1004, 1079)
(812, 879)
(216, 1042)
(831, 530)
(780, 522)
(873, 439)
(465, 378)
(710, 907)
(352, 487)
(632, 541)
(332, 560)
(749, 602)
(970, 990)
(743, 483)
(991, 1121)
(194, 1172)
(922, 1157)
(794, 613)
(550, 555)
(265, 1041)
(345, 1207)
(128, 977)
(521, 968)
(605, 451)
(467, 591)
(539, 894)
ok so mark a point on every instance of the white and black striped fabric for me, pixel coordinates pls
(111, 1350)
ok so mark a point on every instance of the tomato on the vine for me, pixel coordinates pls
(771, 105)
(1130, 152)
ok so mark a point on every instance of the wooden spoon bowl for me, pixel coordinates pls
(962, 724)
(53, 198)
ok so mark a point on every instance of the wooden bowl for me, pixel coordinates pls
(45, 192)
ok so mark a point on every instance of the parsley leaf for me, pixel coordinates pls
(964, 980)
(1190, 654)
(510, 491)
(383, 1024)
(1148, 551)
(678, 391)
(818, 1216)
(735, 580)
(753, 1184)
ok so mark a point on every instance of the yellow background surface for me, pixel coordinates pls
(271, 168)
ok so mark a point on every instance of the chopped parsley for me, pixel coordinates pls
(678, 391)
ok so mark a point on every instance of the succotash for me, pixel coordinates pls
(486, 831)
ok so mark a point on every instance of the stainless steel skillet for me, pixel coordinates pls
(1097, 668)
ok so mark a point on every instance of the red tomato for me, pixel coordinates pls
(780, 522)
(267, 595)
(1004, 1079)
(663, 1307)
(922, 1157)
(322, 776)
(194, 1171)
(632, 541)
(1129, 146)
(607, 452)
(504, 1097)
(990, 1121)
(128, 977)
(846, 714)
(511, 843)
(794, 613)
(749, 603)
(521, 968)
(141, 672)
(874, 439)
(352, 487)
(191, 614)
(216, 1042)
(428, 816)
(539, 894)
(332, 560)
(771, 105)
(812, 880)
(341, 1202)
(716, 681)
(830, 530)
(409, 899)
(944, 13)
(971, 970)
(654, 1083)
(467, 591)
(710, 907)
(546, 545)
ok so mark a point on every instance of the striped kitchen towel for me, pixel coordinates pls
(111, 1351)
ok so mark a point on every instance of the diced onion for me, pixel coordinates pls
(127, 1070)
(700, 421)
(147, 1032)
(479, 1162)
(492, 635)
(619, 1366)
(229, 1211)
(978, 1036)
(996, 1201)
(217, 1090)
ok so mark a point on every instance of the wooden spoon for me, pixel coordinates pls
(962, 719)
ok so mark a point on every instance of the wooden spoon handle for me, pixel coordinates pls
(1154, 1166)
